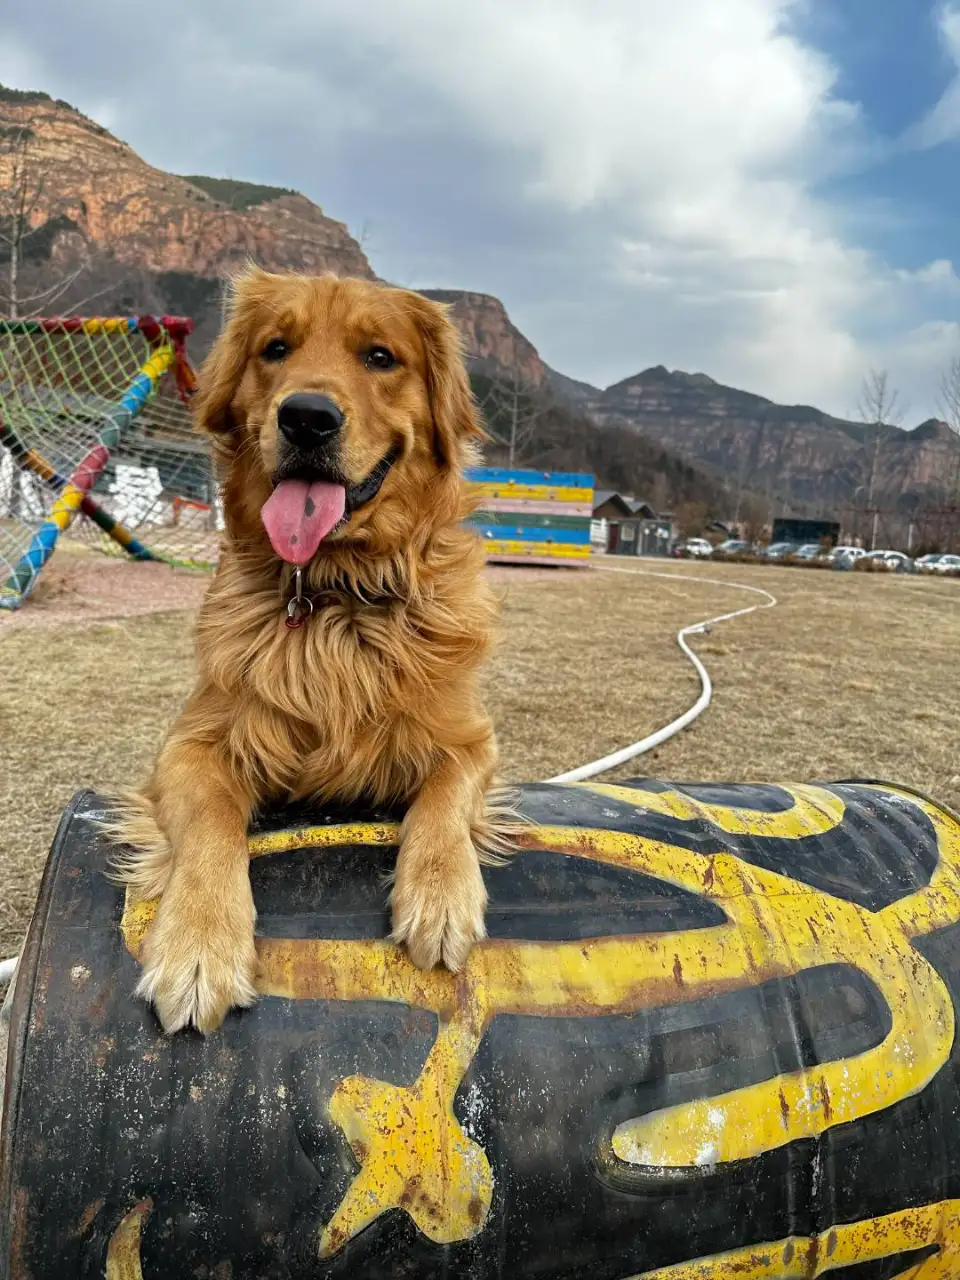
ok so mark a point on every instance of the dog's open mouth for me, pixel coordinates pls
(299, 514)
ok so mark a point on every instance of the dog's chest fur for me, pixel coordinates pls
(348, 703)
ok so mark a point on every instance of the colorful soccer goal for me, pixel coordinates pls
(94, 423)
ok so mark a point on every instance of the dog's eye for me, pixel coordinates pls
(276, 349)
(380, 358)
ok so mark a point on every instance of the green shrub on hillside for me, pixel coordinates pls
(238, 195)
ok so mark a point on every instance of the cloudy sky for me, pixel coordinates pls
(764, 190)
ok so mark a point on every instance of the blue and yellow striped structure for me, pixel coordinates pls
(533, 517)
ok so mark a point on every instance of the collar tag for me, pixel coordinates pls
(299, 606)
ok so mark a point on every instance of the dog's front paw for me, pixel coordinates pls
(438, 906)
(195, 970)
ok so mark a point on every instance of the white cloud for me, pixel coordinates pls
(705, 126)
(660, 163)
(942, 124)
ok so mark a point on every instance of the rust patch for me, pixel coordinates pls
(788, 1252)
(103, 1051)
(831, 1243)
(19, 1231)
(474, 1209)
(825, 1100)
(410, 1191)
(431, 1207)
(99, 1006)
(677, 971)
(336, 1239)
(784, 1110)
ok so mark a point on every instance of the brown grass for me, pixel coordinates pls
(852, 675)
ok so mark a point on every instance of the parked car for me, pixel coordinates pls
(778, 550)
(695, 548)
(929, 562)
(845, 557)
(895, 561)
(733, 547)
(947, 564)
(809, 551)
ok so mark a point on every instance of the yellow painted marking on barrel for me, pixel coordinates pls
(814, 811)
(775, 927)
(123, 1250)
(367, 833)
(846, 1245)
(411, 1149)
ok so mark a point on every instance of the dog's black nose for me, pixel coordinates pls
(308, 420)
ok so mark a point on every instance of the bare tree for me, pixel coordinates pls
(659, 493)
(880, 408)
(756, 518)
(949, 405)
(512, 410)
(21, 221)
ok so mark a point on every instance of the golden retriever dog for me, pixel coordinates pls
(342, 416)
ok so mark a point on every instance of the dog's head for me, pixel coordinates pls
(342, 409)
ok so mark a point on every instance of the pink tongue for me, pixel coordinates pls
(298, 516)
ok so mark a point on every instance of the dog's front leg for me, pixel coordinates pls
(439, 898)
(199, 959)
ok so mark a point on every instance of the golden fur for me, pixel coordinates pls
(375, 697)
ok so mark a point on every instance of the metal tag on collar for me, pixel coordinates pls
(299, 607)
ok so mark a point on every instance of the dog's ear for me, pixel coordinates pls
(456, 419)
(223, 368)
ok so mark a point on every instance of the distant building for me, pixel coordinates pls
(626, 526)
(610, 505)
(794, 529)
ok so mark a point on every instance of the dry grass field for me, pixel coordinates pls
(851, 676)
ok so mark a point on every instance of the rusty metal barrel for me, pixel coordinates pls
(712, 1034)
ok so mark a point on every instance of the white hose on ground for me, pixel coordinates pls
(706, 685)
(7, 967)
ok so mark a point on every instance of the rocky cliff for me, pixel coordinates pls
(496, 346)
(143, 231)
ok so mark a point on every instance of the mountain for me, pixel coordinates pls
(798, 454)
(151, 240)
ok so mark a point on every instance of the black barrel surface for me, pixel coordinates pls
(711, 1036)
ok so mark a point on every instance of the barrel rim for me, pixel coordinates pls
(22, 1006)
